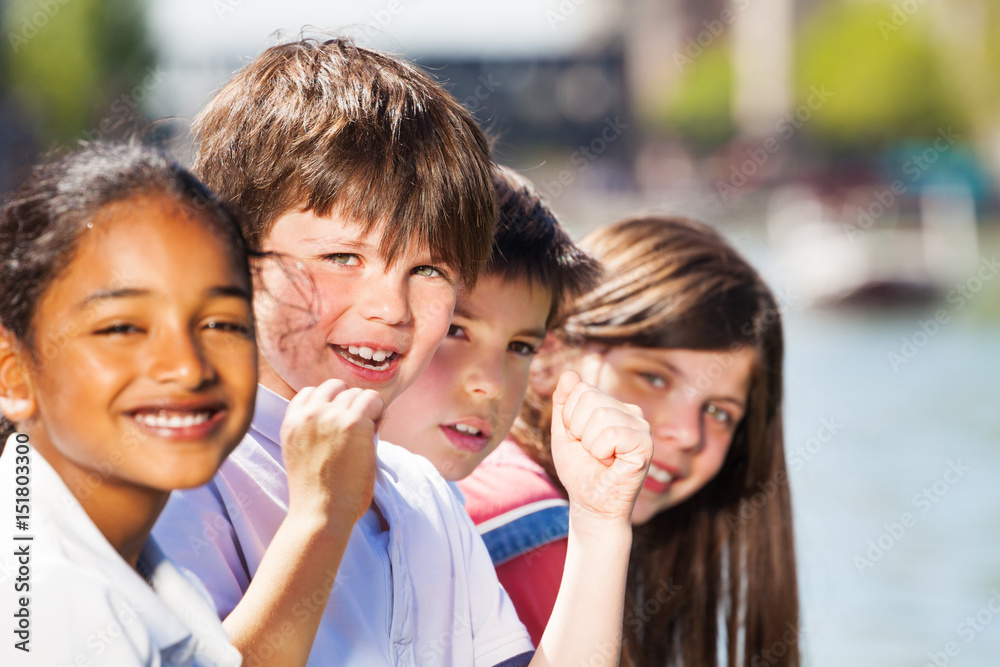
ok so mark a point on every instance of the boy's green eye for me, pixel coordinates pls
(427, 271)
(345, 258)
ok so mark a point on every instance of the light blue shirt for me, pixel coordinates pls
(422, 593)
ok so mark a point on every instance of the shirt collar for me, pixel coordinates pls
(268, 413)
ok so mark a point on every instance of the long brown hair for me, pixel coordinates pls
(717, 570)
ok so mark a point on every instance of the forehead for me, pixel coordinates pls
(305, 232)
(503, 299)
(149, 240)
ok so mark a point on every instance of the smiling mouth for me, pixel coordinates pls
(659, 474)
(178, 422)
(366, 357)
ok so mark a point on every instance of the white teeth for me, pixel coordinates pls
(465, 428)
(376, 367)
(163, 420)
(660, 475)
(367, 353)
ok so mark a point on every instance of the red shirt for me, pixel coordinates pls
(506, 480)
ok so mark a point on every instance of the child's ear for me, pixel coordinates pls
(17, 398)
(547, 366)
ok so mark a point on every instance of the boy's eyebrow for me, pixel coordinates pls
(337, 240)
(462, 310)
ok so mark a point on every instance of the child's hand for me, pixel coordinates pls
(328, 445)
(601, 448)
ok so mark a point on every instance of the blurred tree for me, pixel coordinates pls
(67, 61)
(700, 106)
(887, 79)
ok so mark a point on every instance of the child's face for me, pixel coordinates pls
(693, 401)
(146, 364)
(460, 409)
(334, 307)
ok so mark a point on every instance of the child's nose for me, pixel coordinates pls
(486, 378)
(680, 428)
(178, 358)
(385, 300)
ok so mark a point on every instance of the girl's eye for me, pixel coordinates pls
(238, 328)
(117, 329)
(343, 258)
(455, 331)
(720, 415)
(522, 348)
(654, 380)
(427, 271)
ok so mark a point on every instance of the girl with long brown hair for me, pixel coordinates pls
(683, 327)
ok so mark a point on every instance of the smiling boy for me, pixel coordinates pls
(462, 406)
(369, 190)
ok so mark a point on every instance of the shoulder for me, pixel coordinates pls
(506, 480)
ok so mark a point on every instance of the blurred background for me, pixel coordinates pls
(850, 148)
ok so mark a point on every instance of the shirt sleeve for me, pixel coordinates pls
(195, 531)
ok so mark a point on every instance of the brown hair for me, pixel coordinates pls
(675, 283)
(334, 128)
(530, 244)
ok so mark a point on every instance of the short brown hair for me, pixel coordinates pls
(530, 243)
(331, 127)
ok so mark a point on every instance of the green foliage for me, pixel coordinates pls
(888, 80)
(700, 107)
(66, 60)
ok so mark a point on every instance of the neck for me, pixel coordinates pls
(123, 512)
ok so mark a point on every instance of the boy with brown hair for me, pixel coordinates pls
(462, 406)
(369, 188)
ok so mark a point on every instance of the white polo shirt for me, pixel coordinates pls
(86, 606)
(422, 593)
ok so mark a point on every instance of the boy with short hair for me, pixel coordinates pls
(462, 406)
(369, 190)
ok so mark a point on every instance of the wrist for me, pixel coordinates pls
(601, 529)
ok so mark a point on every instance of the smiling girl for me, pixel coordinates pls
(684, 328)
(128, 369)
